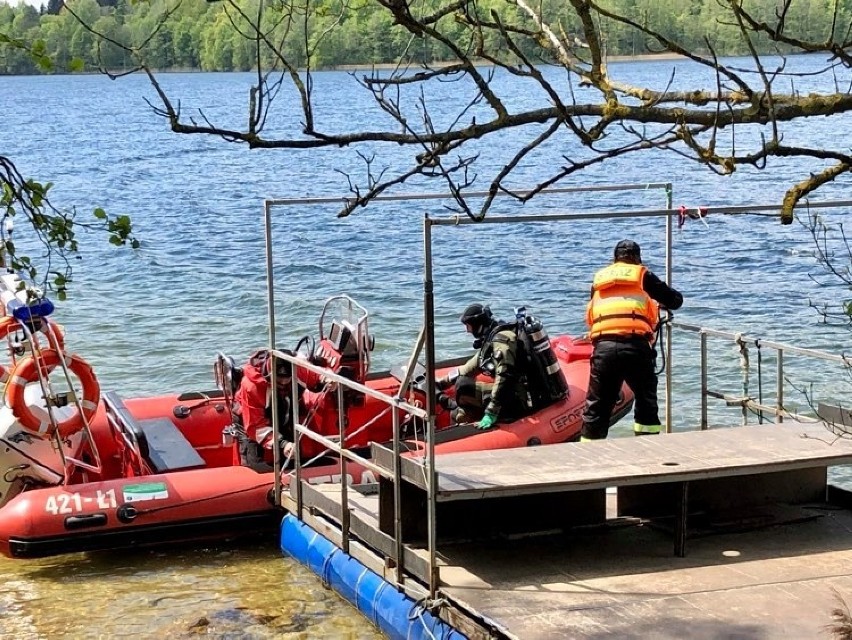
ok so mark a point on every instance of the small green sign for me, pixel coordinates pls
(145, 491)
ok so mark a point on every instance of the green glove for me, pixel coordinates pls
(488, 421)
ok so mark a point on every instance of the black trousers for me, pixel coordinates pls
(252, 454)
(614, 362)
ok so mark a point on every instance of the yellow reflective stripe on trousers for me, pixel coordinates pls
(647, 429)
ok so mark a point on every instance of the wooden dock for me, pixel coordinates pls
(726, 533)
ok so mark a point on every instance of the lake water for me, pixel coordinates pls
(151, 321)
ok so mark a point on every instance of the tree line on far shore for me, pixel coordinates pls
(200, 35)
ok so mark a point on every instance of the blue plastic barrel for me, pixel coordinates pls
(393, 612)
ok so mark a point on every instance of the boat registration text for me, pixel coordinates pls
(67, 503)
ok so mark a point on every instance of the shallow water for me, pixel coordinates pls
(231, 591)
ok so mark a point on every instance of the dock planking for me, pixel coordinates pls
(710, 473)
(775, 582)
(615, 578)
(675, 457)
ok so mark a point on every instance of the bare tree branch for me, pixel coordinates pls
(587, 109)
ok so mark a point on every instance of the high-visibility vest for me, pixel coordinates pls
(619, 305)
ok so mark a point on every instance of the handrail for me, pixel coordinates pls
(348, 382)
(745, 400)
(43, 379)
(450, 221)
(803, 351)
(396, 404)
(476, 194)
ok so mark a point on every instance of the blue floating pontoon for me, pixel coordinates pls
(394, 613)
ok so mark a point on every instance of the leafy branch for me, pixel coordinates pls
(54, 229)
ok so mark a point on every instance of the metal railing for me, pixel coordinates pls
(339, 384)
(747, 400)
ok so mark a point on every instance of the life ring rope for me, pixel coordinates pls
(27, 371)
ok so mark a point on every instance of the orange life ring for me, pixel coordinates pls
(8, 324)
(26, 372)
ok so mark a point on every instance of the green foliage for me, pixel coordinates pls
(206, 36)
(28, 198)
(57, 230)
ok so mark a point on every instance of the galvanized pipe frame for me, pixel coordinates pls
(427, 333)
(748, 403)
(429, 319)
(667, 186)
(396, 404)
(668, 213)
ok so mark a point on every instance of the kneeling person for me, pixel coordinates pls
(505, 399)
(253, 411)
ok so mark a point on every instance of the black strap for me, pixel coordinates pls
(632, 315)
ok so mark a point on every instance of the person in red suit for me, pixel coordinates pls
(252, 412)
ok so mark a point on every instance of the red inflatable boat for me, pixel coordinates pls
(88, 471)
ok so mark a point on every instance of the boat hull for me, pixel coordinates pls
(189, 505)
(124, 506)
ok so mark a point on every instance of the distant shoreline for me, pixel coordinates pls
(640, 57)
(647, 57)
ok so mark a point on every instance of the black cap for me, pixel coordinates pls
(627, 251)
(475, 314)
(479, 318)
(283, 367)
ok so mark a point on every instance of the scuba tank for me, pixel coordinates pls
(545, 380)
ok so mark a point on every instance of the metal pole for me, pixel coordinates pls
(429, 326)
(411, 364)
(779, 387)
(297, 439)
(399, 550)
(270, 302)
(478, 194)
(759, 381)
(668, 327)
(703, 357)
(344, 481)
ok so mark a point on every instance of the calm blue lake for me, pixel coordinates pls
(151, 321)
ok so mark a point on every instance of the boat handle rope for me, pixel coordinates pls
(17, 467)
(661, 340)
(292, 472)
(745, 365)
(199, 500)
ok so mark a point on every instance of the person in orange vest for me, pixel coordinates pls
(622, 315)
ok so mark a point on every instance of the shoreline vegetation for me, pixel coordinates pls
(639, 57)
(647, 57)
(202, 36)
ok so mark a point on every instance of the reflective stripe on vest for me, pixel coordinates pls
(619, 304)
